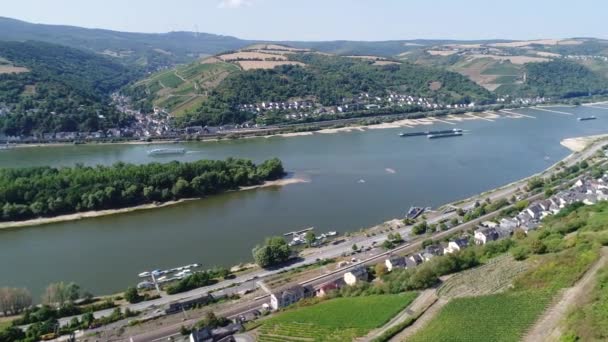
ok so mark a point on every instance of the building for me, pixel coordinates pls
(417, 259)
(323, 289)
(485, 235)
(355, 275)
(286, 296)
(395, 261)
(456, 245)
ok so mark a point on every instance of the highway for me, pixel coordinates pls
(247, 282)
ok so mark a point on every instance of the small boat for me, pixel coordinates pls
(332, 233)
(144, 274)
(145, 285)
(166, 151)
(587, 118)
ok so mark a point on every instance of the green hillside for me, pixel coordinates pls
(181, 89)
(63, 89)
(327, 80)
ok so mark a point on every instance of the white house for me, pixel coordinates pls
(356, 274)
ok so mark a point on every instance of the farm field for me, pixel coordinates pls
(499, 317)
(340, 319)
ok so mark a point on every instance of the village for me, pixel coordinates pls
(587, 191)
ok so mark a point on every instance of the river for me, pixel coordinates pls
(357, 179)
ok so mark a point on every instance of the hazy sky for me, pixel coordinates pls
(328, 19)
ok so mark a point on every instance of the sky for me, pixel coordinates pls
(328, 19)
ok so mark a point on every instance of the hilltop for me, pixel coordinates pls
(220, 89)
(505, 67)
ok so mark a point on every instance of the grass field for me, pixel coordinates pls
(493, 277)
(499, 318)
(340, 319)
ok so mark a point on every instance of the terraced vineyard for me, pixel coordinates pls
(493, 277)
(185, 87)
(341, 319)
(500, 318)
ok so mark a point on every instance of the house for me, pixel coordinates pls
(416, 259)
(220, 334)
(456, 245)
(489, 224)
(485, 235)
(431, 252)
(535, 211)
(323, 289)
(395, 261)
(286, 296)
(355, 275)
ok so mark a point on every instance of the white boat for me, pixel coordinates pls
(166, 151)
(145, 285)
(144, 274)
(331, 233)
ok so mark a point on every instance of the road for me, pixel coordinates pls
(247, 282)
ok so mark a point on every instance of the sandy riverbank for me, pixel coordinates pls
(90, 214)
(404, 123)
(580, 143)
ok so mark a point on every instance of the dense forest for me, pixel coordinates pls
(65, 89)
(330, 79)
(27, 193)
(562, 79)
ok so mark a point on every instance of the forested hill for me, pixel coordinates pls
(48, 88)
(562, 79)
(330, 79)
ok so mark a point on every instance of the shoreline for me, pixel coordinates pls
(400, 123)
(148, 206)
(578, 144)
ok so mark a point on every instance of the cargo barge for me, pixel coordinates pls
(415, 134)
(444, 135)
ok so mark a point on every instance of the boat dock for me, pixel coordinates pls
(414, 212)
(299, 231)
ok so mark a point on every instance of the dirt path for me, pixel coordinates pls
(428, 315)
(547, 328)
(420, 304)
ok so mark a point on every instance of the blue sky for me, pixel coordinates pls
(329, 19)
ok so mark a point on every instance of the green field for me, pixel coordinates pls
(169, 80)
(502, 68)
(340, 319)
(498, 318)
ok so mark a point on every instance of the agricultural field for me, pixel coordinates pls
(340, 319)
(500, 317)
(488, 72)
(251, 65)
(494, 277)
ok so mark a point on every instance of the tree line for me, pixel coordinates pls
(32, 192)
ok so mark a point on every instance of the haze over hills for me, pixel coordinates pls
(207, 79)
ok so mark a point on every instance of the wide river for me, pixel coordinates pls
(357, 179)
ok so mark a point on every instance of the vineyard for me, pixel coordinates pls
(495, 276)
(499, 317)
(340, 319)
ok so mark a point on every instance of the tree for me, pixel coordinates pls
(538, 247)
(274, 251)
(460, 212)
(310, 238)
(60, 293)
(420, 228)
(13, 300)
(454, 221)
(388, 245)
(132, 296)
(355, 247)
(380, 270)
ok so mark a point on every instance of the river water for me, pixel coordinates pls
(357, 179)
